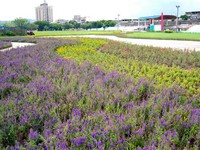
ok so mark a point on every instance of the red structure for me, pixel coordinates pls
(162, 22)
(161, 17)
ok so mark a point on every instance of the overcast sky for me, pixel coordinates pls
(96, 9)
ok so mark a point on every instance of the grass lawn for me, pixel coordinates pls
(166, 36)
(143, 35)
(82, 32)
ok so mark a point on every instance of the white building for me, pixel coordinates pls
(61, 21)
(193, 15)
(79, 19)
(44, 12)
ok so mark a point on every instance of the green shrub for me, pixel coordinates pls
(168, 31)
(9, 33)
(8, 135)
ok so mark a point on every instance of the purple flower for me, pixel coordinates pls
(111, 144)
(95, 134)
(33, 134)
(162, 122)
(120, 141)
(98, 143)
(79, 141)
(168, 132)
(57, 144)
(77, 112)
(88, 145)
(63, 145)
(47, 132)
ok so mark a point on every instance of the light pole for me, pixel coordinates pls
(177, 17)
(118, 22)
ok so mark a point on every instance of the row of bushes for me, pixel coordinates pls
(12, 32)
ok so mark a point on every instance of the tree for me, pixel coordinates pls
(111, 23)
(184, 17)
(42, 25)
(32, 26)
(75, 24)
(107, 23)
(67, 26)
(21, 22)
(21, 26)
(46, 28)
(97, 24)
(8, 24)
(55, 26)
(86, 25)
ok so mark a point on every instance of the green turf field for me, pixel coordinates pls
(75, 32)
(143, 35)
(167, 36)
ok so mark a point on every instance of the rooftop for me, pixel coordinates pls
(157, 17)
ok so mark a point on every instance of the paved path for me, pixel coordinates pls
(17, 44)
(175, 44)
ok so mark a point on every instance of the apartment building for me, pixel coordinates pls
(44, 12)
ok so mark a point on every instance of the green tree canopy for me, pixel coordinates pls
(75, 24)
(55, 26)
(21, 22)
(86, 25)
(8, 24)
(108, 23)
(67, 26)
(42, 25)
(184, 17)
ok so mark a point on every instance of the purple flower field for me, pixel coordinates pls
(48, 102)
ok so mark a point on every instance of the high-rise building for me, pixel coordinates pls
(44, 12)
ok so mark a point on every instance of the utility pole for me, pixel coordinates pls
(118, 22)
(177, 7)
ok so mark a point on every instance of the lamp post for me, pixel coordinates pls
(118, 22)
(177, 7)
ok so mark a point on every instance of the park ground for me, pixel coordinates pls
(140, 35)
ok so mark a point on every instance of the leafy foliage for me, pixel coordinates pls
(42, 25)
(168, 31)
(184, 17)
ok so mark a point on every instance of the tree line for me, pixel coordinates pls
(24, 24)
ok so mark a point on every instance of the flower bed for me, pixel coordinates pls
(161, 74)
(49, 102)
(4, 45)
(186, 59)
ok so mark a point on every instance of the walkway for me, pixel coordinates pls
(175, 44)
(16, 45)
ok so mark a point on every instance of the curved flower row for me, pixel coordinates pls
(162, 75)
(184, 59)
(5, 44)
